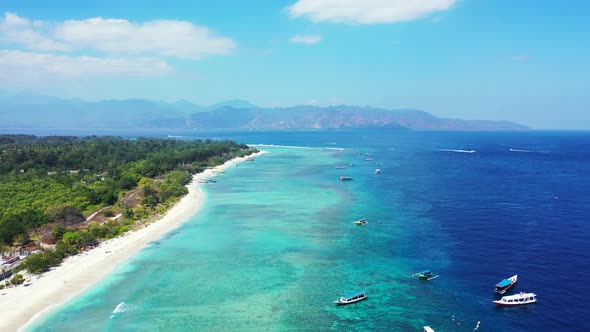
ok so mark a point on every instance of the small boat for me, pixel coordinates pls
(250, 159)
(207, 181)
(426, 275)
(504, 285)
(345, 178)
(377, 171)
(517, 299)
(351, 298)
(369, 159)
(341, 167)
(428, 329)
(361, 222)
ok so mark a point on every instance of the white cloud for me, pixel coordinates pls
(11, 19)
(299, 39)
(178, 39)
(367, 11)
(171, 38)
(37, 67)
(18, 30)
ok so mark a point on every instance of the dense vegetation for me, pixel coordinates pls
(48, 184)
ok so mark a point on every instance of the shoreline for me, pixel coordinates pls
(24, 306)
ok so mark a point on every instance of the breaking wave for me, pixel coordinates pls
(460, 151)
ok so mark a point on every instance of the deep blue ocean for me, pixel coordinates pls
(275, 243)
(519, 205)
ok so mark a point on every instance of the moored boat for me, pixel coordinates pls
(426, 275)
(345, 178)
(428, 329)
(361, 222)
(377, 171)
(351, 298)
(504, 285)
(517, 299)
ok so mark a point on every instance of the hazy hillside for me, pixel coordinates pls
(26, 110)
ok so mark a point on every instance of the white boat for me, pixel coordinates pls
(517, 299)
(428, 329)
(377, 171)
(351, 298)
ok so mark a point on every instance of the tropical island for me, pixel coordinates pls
(62, 195)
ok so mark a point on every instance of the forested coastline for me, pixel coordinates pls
(72, 191)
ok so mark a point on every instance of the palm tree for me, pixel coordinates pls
(4, 248)
(18, 242)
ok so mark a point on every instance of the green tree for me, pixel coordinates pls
(65, 215)
(98, 231)
(58, 232)
(72, 238)
(36, 263)
(168, 190)
(128, 212)
(179, 177)
(103, 192)
(62, 249)
(4, 249)
(33, 218)
(86, 237)
(21, 239)
(11, 226)
(17, 279)
(127, 182)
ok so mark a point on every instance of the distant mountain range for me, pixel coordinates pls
(26, 110)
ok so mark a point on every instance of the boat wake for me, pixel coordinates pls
(460, 151)
(124, 307)
(118, 309)
(519, 150)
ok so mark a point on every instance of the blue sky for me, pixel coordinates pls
(524, 61)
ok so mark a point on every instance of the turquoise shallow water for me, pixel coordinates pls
(272, 248)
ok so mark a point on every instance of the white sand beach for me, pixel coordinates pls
(23, 305)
